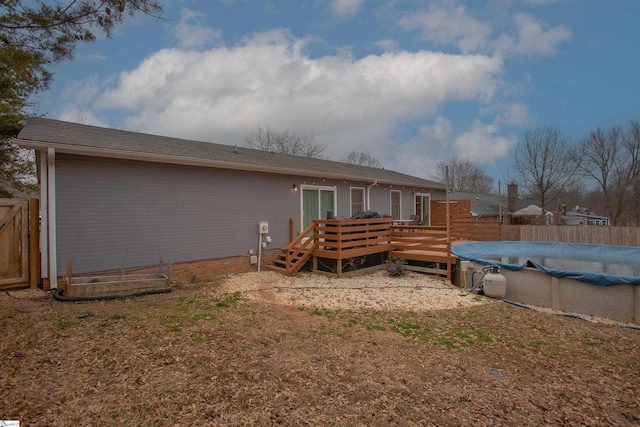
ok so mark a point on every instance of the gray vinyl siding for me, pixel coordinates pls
(381, 200)
(115, 214)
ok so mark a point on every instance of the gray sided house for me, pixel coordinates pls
(113, 199)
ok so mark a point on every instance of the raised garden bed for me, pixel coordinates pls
(115, 285)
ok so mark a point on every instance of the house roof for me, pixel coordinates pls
(482, 205)
(550, 205)
(583, 212)
(531, 210)
(73, 138)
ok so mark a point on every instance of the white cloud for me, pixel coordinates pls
(81, 116)
(484, 144)
(481, 143)
(388, 45)
(346, 103)
(513, 114)
(346, 8)
(533, 37)
(447, 23)
(420, 155)
(190, 32)
(76, 100)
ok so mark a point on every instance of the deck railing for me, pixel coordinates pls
(429, 245)
(351, 238)
(346, 239)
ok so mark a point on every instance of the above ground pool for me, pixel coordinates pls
(602, 265)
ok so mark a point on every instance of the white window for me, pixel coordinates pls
(395, 205)
(357, 200)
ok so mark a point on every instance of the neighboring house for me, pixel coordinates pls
(527, 211)
(514, 209)
(114, 199)
(530, 215)
(483, 207)
(583, 216)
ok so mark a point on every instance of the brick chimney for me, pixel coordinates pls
(512, 197)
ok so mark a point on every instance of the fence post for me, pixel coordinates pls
(34, 242)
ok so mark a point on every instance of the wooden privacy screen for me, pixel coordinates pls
(14, 242)
(458, 210)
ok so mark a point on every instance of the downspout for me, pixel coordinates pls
(51, 201)
(369, 193)
(44, 213)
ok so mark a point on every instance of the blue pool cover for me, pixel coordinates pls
(602, 265)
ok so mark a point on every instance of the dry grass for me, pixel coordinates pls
(201, 357)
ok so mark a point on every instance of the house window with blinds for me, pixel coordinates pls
(357, 200)
(395, 205)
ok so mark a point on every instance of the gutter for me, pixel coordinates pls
(191, 161)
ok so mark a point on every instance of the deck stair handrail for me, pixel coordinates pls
(296, 253)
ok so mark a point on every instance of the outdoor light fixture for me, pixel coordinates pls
(294, 187)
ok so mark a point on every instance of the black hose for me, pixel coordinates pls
(517, 304)
(59, 296)
(574, 316)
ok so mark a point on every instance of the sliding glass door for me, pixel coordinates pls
(422, 208)
(316, 201)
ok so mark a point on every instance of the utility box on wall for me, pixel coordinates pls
(263, 227)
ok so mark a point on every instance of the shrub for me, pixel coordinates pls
(395, 268)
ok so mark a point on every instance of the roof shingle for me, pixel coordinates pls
(98, 141)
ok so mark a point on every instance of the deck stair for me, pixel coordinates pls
(344, 240)
(291, 259)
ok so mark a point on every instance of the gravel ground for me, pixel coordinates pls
(374, 291)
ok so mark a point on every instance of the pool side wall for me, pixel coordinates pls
(533, 287)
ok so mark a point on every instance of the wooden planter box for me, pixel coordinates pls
(116, 285)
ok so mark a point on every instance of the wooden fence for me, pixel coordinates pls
(19, 240)
(620, 236)
(478, 231)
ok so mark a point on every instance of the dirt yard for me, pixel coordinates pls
(256, 350)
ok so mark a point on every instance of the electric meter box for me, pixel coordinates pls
(263, 227)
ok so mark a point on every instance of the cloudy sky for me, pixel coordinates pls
(409, 82)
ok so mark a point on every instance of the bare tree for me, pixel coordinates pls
(546, 164)
(464, 175)
(35, 37)
(362, 159)
(612, 159)
(284, 142)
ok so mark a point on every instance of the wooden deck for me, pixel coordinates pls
(342, 242)
(426, 245)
